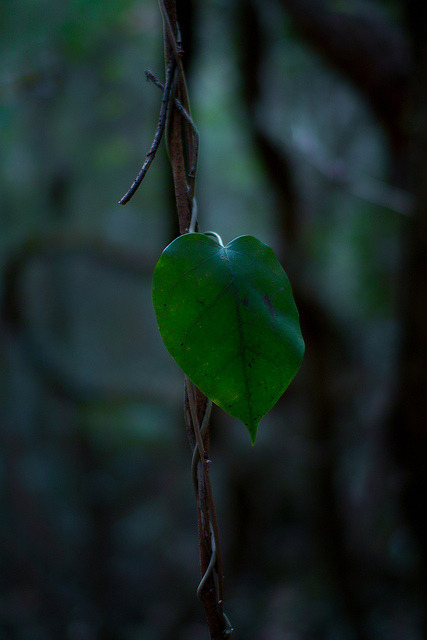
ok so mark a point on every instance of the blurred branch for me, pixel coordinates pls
(327, 352)
(409, 416)
(277, 164)
(369, 51)
(62, 244)
(336, 171)
(54, 370)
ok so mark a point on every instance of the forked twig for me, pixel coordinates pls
(182, 106)
(177, 51)
(150, 76)
(158, 135)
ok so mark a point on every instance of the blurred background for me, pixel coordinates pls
(312, 121)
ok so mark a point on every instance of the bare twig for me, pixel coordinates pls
(166, 9)
(150, 76)
(158, 135)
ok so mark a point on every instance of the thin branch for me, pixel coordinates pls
(158, 135)
(366, 188)
(373, 53)
(175, 139)
(182, 87)
(150, 76)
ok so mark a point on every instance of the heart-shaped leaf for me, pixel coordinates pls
(228, 318)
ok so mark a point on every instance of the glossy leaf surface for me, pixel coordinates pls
(228, 318)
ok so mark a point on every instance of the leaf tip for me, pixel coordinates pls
(252, 427)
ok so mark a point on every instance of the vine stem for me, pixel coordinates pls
(183, 143)
(152, 78)
(215, 235)
(158, 135)
(175, 120)
(205, 462)
(170, 40)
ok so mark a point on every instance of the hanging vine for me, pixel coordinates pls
(175, 118)
(226, 314)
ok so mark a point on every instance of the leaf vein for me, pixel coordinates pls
(262, 355)
(241, 336)
(193, 268)
(205, 309)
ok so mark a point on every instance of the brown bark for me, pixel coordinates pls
(178, 132)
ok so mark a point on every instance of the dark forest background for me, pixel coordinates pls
(313, 123)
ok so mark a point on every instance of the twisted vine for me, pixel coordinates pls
(175, 120)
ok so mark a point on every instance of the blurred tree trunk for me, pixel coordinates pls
(388, 65)
(410, 431)
(377, 59)
(372, 53)
(326, 356)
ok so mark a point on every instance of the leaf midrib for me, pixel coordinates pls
(240, 331)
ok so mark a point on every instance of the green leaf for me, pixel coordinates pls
(228, 318)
